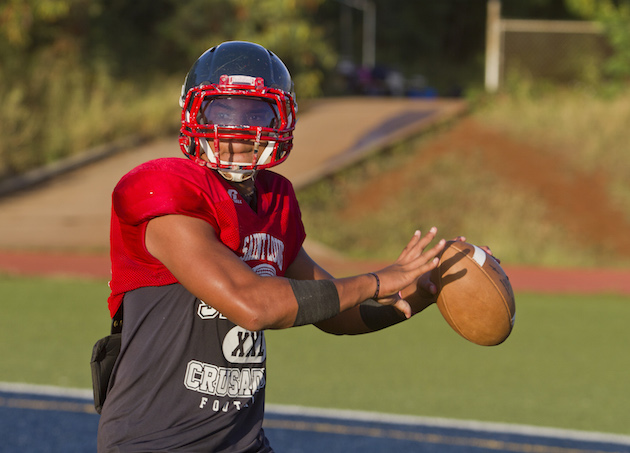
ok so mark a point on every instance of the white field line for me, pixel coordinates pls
(342, 414)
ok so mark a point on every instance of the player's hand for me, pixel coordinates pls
(413, 262)
(423, 292)
(425, 285)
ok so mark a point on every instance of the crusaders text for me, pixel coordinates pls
(220, 381)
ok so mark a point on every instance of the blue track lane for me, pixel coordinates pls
(47, 420)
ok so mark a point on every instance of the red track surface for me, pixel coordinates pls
(580, 281)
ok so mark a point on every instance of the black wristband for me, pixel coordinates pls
(317, 300)
(376, 316)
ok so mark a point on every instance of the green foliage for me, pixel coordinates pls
(64, 61)
(285, 27)
(24, 20)
(79, 73)
(614, 17)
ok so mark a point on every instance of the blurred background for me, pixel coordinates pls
(77, 73)
(549, 78)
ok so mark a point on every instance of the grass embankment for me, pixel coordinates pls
(589, 132)
(371, 209)
(77, 111)
(562, 366)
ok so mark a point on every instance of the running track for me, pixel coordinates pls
(582, 281)
(46, 419)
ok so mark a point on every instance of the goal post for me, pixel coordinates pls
(559, 50)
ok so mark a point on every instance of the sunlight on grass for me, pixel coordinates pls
(562, 365)
(48, 328)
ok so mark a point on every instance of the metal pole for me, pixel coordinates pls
(369, 28)
(345, 21)
(493, 45)
(369, 34)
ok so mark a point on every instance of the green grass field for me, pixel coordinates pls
(565, 364)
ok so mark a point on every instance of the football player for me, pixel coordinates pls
(207, 253)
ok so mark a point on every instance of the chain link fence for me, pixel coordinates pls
(562, 52)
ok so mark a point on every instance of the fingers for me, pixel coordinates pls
(428, 259)
(403, 306)
(415, 256)
(411, 264)
(416, 245)
(486, 249)
(425, 284)
(398, 303)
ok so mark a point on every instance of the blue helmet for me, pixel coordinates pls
(238, 72)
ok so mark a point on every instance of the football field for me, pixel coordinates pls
(556, 385)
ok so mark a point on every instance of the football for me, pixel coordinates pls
(474, 294)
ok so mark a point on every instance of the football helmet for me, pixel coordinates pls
(238, 91)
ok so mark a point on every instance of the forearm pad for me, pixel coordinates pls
(317, 300)
(376, 316)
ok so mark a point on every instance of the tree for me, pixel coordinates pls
(76, 73)
(286, 27)
(614, 16)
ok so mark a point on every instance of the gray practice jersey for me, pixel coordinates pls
(187, 379)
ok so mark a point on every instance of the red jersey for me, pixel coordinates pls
(187, 378)
(268, 239)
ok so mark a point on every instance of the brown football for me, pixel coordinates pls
(474, 294)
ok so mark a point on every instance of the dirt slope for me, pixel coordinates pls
(577, 200)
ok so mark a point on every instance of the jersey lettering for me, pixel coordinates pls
(263, 247)
(219, 381)
(243, 346)
(205, 311)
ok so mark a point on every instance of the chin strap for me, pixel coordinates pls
(236, 177)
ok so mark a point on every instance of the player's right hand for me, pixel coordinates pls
(414, 261)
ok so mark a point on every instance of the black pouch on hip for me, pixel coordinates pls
(104, 355)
